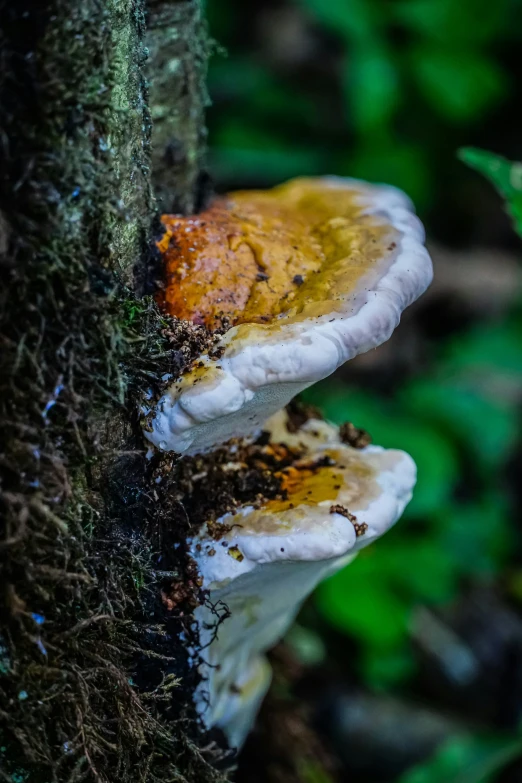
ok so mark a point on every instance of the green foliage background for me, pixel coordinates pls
(389, 90)
(382, 89)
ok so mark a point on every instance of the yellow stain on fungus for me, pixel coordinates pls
(313, 485)
(256, 255)
(236, 553)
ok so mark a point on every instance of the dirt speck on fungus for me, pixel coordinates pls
(338, 509)
(234, 475)
(359, 527)
(299, 413)
(354, 436)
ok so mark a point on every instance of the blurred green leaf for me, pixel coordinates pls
(492, 348)
(478, 536)
(372, 599)
(239, 77)
(460, 85)
(361, 604)
(407, 569)
(476, 391)
(383, 669)
(311, 772)
(449, 22)
(466, 760)
(386, 159)
(371, 86)
(268, 165)
(348, 18)
(263, 92)
(504, 174)
(449, 49)
(237, 133)
(419, 567)
(487, 427)
(220, 17)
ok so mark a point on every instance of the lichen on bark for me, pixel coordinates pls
(178, 47)
(80, 609)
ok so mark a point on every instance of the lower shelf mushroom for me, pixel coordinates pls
(261, 563)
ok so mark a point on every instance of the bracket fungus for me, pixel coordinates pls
(298, 280)
(267, 559)
(306, 275)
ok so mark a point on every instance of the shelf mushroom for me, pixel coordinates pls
(266, 560)
(307, 275)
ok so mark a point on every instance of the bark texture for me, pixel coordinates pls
(178, 49)
(92, 684)
(128, 138)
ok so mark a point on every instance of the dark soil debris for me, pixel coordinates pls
(185, 594)
(338, 509)
(359, 527)
(299, 413)
(354, 436)
(233, 475)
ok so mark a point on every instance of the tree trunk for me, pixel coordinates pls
(93, 684)
(178, 50)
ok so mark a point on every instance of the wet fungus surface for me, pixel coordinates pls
(257, 255)
(300, 279)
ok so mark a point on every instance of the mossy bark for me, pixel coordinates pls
(128, 137)
(88, 658)
(178, 49)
